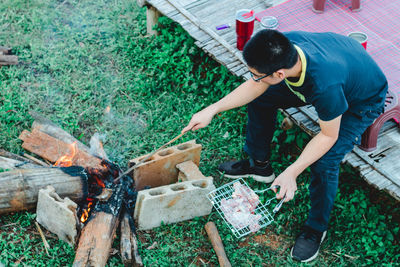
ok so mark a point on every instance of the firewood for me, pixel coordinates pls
(126, 245)
(37, 161)
(10, 164)
(10, 155)
(19, 188)
(5, 50)
(8, 60)
(50, 128)
(98, 234)
(129, 243)
(52, 149)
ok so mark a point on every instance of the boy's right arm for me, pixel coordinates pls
(242, 95)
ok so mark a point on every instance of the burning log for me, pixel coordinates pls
(53, 149)
(19, 188)
(98, 234)
(46, 126)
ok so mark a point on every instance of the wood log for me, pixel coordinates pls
(50, 128)
(8, 60)
(52, 149)
(5, 50)
(129, 244)
(10, 155)
(19, 188)
(98, 234)
(125, 244)
(11, 164)
(216, 242)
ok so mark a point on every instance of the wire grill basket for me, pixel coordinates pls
(240, 208)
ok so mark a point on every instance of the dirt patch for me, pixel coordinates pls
(269, 239)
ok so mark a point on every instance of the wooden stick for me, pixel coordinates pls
(46, 245)
(148, 156)
(38, 161)
(10, 155)
(216, 242)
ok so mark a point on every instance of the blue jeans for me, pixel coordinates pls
(324, 172)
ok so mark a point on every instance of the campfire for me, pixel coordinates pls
(167, 183)
(103, 204)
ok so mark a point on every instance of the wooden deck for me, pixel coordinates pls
(380, 168)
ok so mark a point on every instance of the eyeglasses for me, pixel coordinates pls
(257, 78)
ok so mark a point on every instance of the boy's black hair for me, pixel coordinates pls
(269, 51)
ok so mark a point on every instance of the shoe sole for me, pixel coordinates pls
(313, 256)
(258, 178)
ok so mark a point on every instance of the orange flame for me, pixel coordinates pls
(85, 213)
(66, 160)
(100, 182)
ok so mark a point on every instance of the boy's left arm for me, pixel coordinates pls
(314, 150)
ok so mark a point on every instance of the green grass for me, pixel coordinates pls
(79, 57)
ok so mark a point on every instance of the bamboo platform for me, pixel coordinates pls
(380, 168)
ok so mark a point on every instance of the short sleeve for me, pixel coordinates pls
(330, 103)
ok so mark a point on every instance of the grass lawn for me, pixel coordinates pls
(80, 57)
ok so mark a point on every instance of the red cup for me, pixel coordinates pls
(360, 37)
(244, 27)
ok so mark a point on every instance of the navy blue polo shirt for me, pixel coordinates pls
(340, 75)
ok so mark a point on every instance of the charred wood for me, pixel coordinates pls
(98, 234)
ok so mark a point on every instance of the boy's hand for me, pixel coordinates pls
(200, 120)
(287, 183)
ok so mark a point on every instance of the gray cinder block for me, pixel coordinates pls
(57, 215)
(173, 203)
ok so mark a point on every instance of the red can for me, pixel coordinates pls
(360, 37)
(244, 26)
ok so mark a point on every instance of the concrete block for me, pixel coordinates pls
(161, 169)
(189, 171)
(57, 215)
(173, 203)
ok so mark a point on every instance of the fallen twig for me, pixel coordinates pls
(46, 245)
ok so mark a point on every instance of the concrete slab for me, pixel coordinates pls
(57, 215)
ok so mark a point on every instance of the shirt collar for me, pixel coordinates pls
(303, 68)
